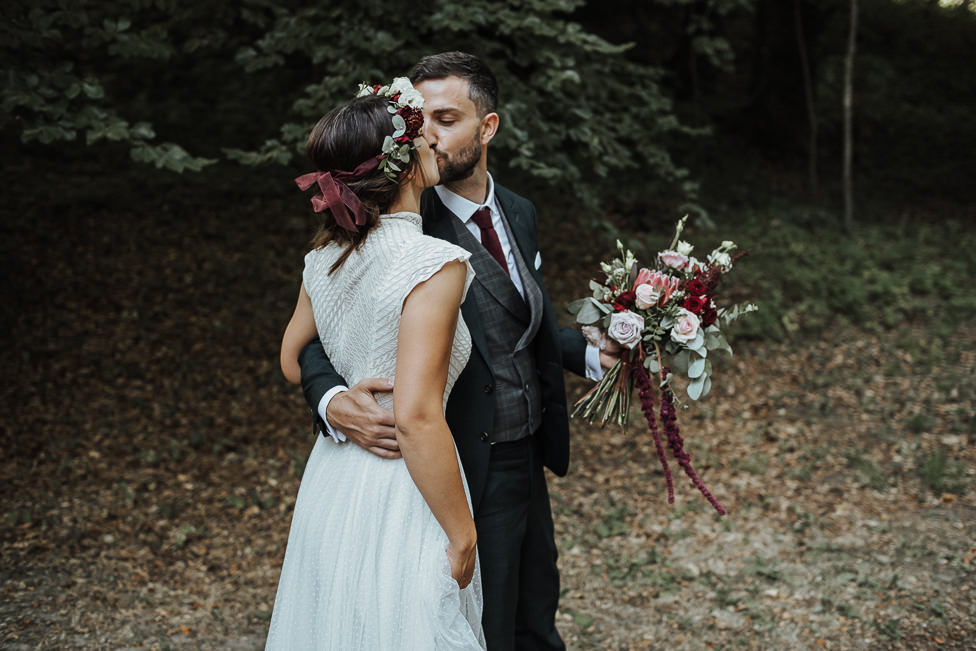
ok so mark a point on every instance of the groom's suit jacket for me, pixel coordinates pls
(471, 406)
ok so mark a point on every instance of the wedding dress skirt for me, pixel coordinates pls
(366, 564)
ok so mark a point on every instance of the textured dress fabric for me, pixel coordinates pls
(366, 564)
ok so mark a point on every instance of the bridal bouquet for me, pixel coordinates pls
(666, 317)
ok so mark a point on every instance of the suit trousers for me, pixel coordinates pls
(517, 551)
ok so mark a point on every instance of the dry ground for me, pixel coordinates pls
(153, 452)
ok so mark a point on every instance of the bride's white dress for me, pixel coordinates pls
(366, 564)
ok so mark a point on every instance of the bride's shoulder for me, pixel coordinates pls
(428, 249)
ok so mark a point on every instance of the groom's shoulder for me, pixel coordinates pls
(511, 201)
(504, 194)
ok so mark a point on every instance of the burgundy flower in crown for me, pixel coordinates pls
(406, 111)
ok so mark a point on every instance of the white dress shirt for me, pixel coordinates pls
(465, 209)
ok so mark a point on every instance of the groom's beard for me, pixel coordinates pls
(461, 166)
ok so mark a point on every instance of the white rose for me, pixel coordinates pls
(412, 98)
(400, 85)
(594, 336)
(626, 328)
(646, 296)
(685, 327)
(674, 259)
(684, 248)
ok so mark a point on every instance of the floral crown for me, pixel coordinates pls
(408, 122)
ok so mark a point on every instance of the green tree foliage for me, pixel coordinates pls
(58, 58)
(575, 110)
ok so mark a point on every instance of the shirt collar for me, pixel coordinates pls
(462, 207)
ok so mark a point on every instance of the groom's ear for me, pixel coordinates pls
(489, 127)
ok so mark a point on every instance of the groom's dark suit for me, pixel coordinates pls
(518, 564)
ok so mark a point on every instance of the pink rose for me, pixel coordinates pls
(646, 296)
(685, 327)
(626, 328)
(674, 259)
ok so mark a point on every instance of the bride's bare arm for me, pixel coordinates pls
(426, 337)
(300, 331)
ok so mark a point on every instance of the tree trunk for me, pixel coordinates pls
(801, 45)
(848, 114)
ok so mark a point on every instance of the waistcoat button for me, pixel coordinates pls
(484, 436)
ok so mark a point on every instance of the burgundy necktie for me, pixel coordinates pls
(489, 236)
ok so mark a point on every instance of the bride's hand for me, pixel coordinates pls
(462, 557)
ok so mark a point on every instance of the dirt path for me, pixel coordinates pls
(153, 456)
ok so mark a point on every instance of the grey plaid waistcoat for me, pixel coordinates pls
(510, 325)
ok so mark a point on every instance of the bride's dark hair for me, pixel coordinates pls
(345, 137)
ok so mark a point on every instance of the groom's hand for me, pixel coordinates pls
(610, 353)
(356, 414)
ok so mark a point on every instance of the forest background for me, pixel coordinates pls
(152, 249)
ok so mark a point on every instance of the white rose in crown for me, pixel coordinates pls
(646, 296)
(400, 85)
(412, 98)
(626, 328)
(685, 327)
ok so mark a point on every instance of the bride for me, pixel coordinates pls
(381, 553)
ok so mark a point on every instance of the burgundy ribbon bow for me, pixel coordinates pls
(336, 197)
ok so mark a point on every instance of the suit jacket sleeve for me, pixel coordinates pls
(318, 376)
(573, 348)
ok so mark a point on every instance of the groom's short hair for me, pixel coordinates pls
(482, 85)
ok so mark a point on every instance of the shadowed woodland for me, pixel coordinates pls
(152, 244)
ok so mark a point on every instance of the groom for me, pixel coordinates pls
(507, 410)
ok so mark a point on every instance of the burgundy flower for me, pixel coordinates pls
(696, 287)
(645, 391)
(625, 300)
(413, 118)
(694, 304)
(669, 423)
(708, 316)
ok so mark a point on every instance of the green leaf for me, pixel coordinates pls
(696, 388)
(681, 361)
(696, 368)
(589, 312)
